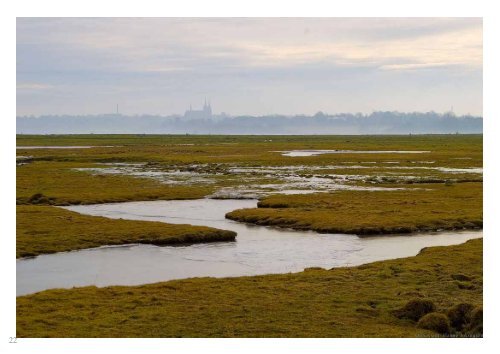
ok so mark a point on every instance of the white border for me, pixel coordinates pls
(386, 8)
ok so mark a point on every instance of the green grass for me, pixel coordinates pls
(438, 207)
(255, 150)
(47, 229)
(61, 184)
(342, 302)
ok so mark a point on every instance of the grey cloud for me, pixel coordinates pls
(248, 66)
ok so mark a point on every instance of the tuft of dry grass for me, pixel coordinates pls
(415, 309)
(436, 322)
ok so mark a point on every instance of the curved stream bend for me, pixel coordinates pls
(257, 250)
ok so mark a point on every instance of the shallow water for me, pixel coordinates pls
(257, 250)
(59, 147)
(476, 170)
(290, 181)
(298, 153)
(138, 170)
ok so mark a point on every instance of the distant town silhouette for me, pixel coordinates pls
(204, 121)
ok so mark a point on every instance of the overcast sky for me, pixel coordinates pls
(248, 66)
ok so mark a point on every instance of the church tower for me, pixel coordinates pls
(205, 113)
(207, 109)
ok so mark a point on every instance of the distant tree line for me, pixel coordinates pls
(320, 123)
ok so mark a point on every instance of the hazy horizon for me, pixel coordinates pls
(201, 122)
(248, 66)
(229, 115)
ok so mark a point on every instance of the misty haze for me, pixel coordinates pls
(200, 122)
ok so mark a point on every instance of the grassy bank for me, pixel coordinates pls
(343, 302)
(437, 207)
(60, 183)
(47, 229)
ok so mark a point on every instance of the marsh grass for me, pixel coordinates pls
(437, 207)
(52, 172)
(58, 183)
(343, 302)
(445, 150)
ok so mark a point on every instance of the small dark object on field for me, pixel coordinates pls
(461, 277)
(38, 198)
(465, 285)
(436, 322)
(415, 309)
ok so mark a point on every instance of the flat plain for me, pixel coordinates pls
(360, 185)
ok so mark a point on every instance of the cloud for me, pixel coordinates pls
(413, 66)
(188, 57)
(33, 86)
(167, 43)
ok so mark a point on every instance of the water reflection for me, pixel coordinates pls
(257, 250)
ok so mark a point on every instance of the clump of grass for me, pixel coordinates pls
(461, 277)
(475, 326)
(39, 198)
(460, 315)
(415, 309)
(465, 285)
(436, 322)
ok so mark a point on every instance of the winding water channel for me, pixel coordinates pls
(257, 249)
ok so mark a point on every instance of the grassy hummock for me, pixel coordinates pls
(342, 302)
(48, 229)
(436, 322)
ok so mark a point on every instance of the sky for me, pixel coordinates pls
(248, 66)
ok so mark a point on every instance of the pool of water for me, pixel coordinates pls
(59, 147)
(299, 153)
(257, 249)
